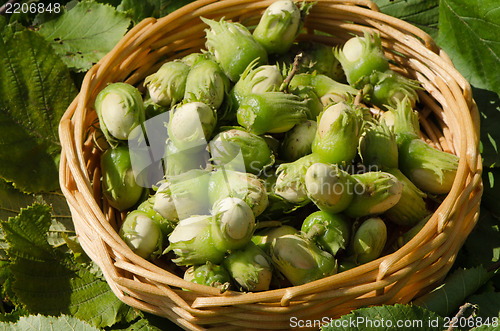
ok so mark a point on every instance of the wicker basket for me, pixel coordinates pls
(449, 120)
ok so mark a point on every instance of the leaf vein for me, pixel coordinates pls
(46, 106)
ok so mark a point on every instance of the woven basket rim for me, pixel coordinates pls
(396, 277)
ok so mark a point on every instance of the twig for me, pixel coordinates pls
(359, 97)
(460, 315)
(4, 7)
(494, 266)
(295, 69)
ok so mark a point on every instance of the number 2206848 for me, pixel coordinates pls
(470, 322)
(33, 8)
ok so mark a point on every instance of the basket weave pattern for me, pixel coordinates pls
(449, 121)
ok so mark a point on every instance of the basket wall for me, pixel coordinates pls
(449, 121)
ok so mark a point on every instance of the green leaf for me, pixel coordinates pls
(84, 34)
(147, 322)
(488, 327)
(47, 281)
(422, 14)
(141, 324)
(488, 104)
(387, 318)
(137, 9)
(468, 32)
(38, 323)
(140, 9)
(446, 299)
(488, 304)
(3, 22)
(4, 272)
(35, 90)
(165, 7)
(13, 315)
(114, 3)
(25, 234)
(483, 244)
(12, 200)
(161, 323)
